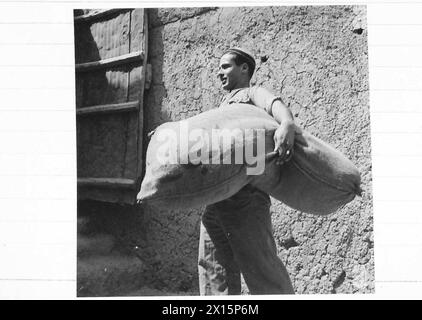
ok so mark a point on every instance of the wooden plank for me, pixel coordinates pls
(131, 151)
(104, 87)
(97, 15)
(143, 46)
(136, 83)
(113, 195)
(137, 56)
(86, 49)
(137, 30)
(107, 182)
(102, 145)
(135, 92)
(111, 36)
(102, 40)
(108, 108)
(80, 84)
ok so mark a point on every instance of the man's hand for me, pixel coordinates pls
(284, 138)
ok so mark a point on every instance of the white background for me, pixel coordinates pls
(38, 145)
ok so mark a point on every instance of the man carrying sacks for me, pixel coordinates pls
(236, 233)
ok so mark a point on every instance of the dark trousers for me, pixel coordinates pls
(237, 237)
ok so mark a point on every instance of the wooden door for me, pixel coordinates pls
(110, 56)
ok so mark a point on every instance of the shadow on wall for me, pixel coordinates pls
(86, 50)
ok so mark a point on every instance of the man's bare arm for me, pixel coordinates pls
(281, 112)
(285, 133)
(284, 136)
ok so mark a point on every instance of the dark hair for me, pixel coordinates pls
(239, 60)
(242, 56)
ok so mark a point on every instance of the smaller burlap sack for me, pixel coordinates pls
(318, 179)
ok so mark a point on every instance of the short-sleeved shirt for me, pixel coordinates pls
(254, 95)
(263, 99)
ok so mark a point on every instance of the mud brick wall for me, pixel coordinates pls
(316, 58)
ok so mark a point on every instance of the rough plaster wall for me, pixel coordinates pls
(316, 59)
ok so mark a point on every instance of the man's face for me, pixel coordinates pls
(229, 73)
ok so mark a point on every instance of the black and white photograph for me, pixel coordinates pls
(223, 151)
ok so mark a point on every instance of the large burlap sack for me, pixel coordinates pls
(187, 184)
(318, 179)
